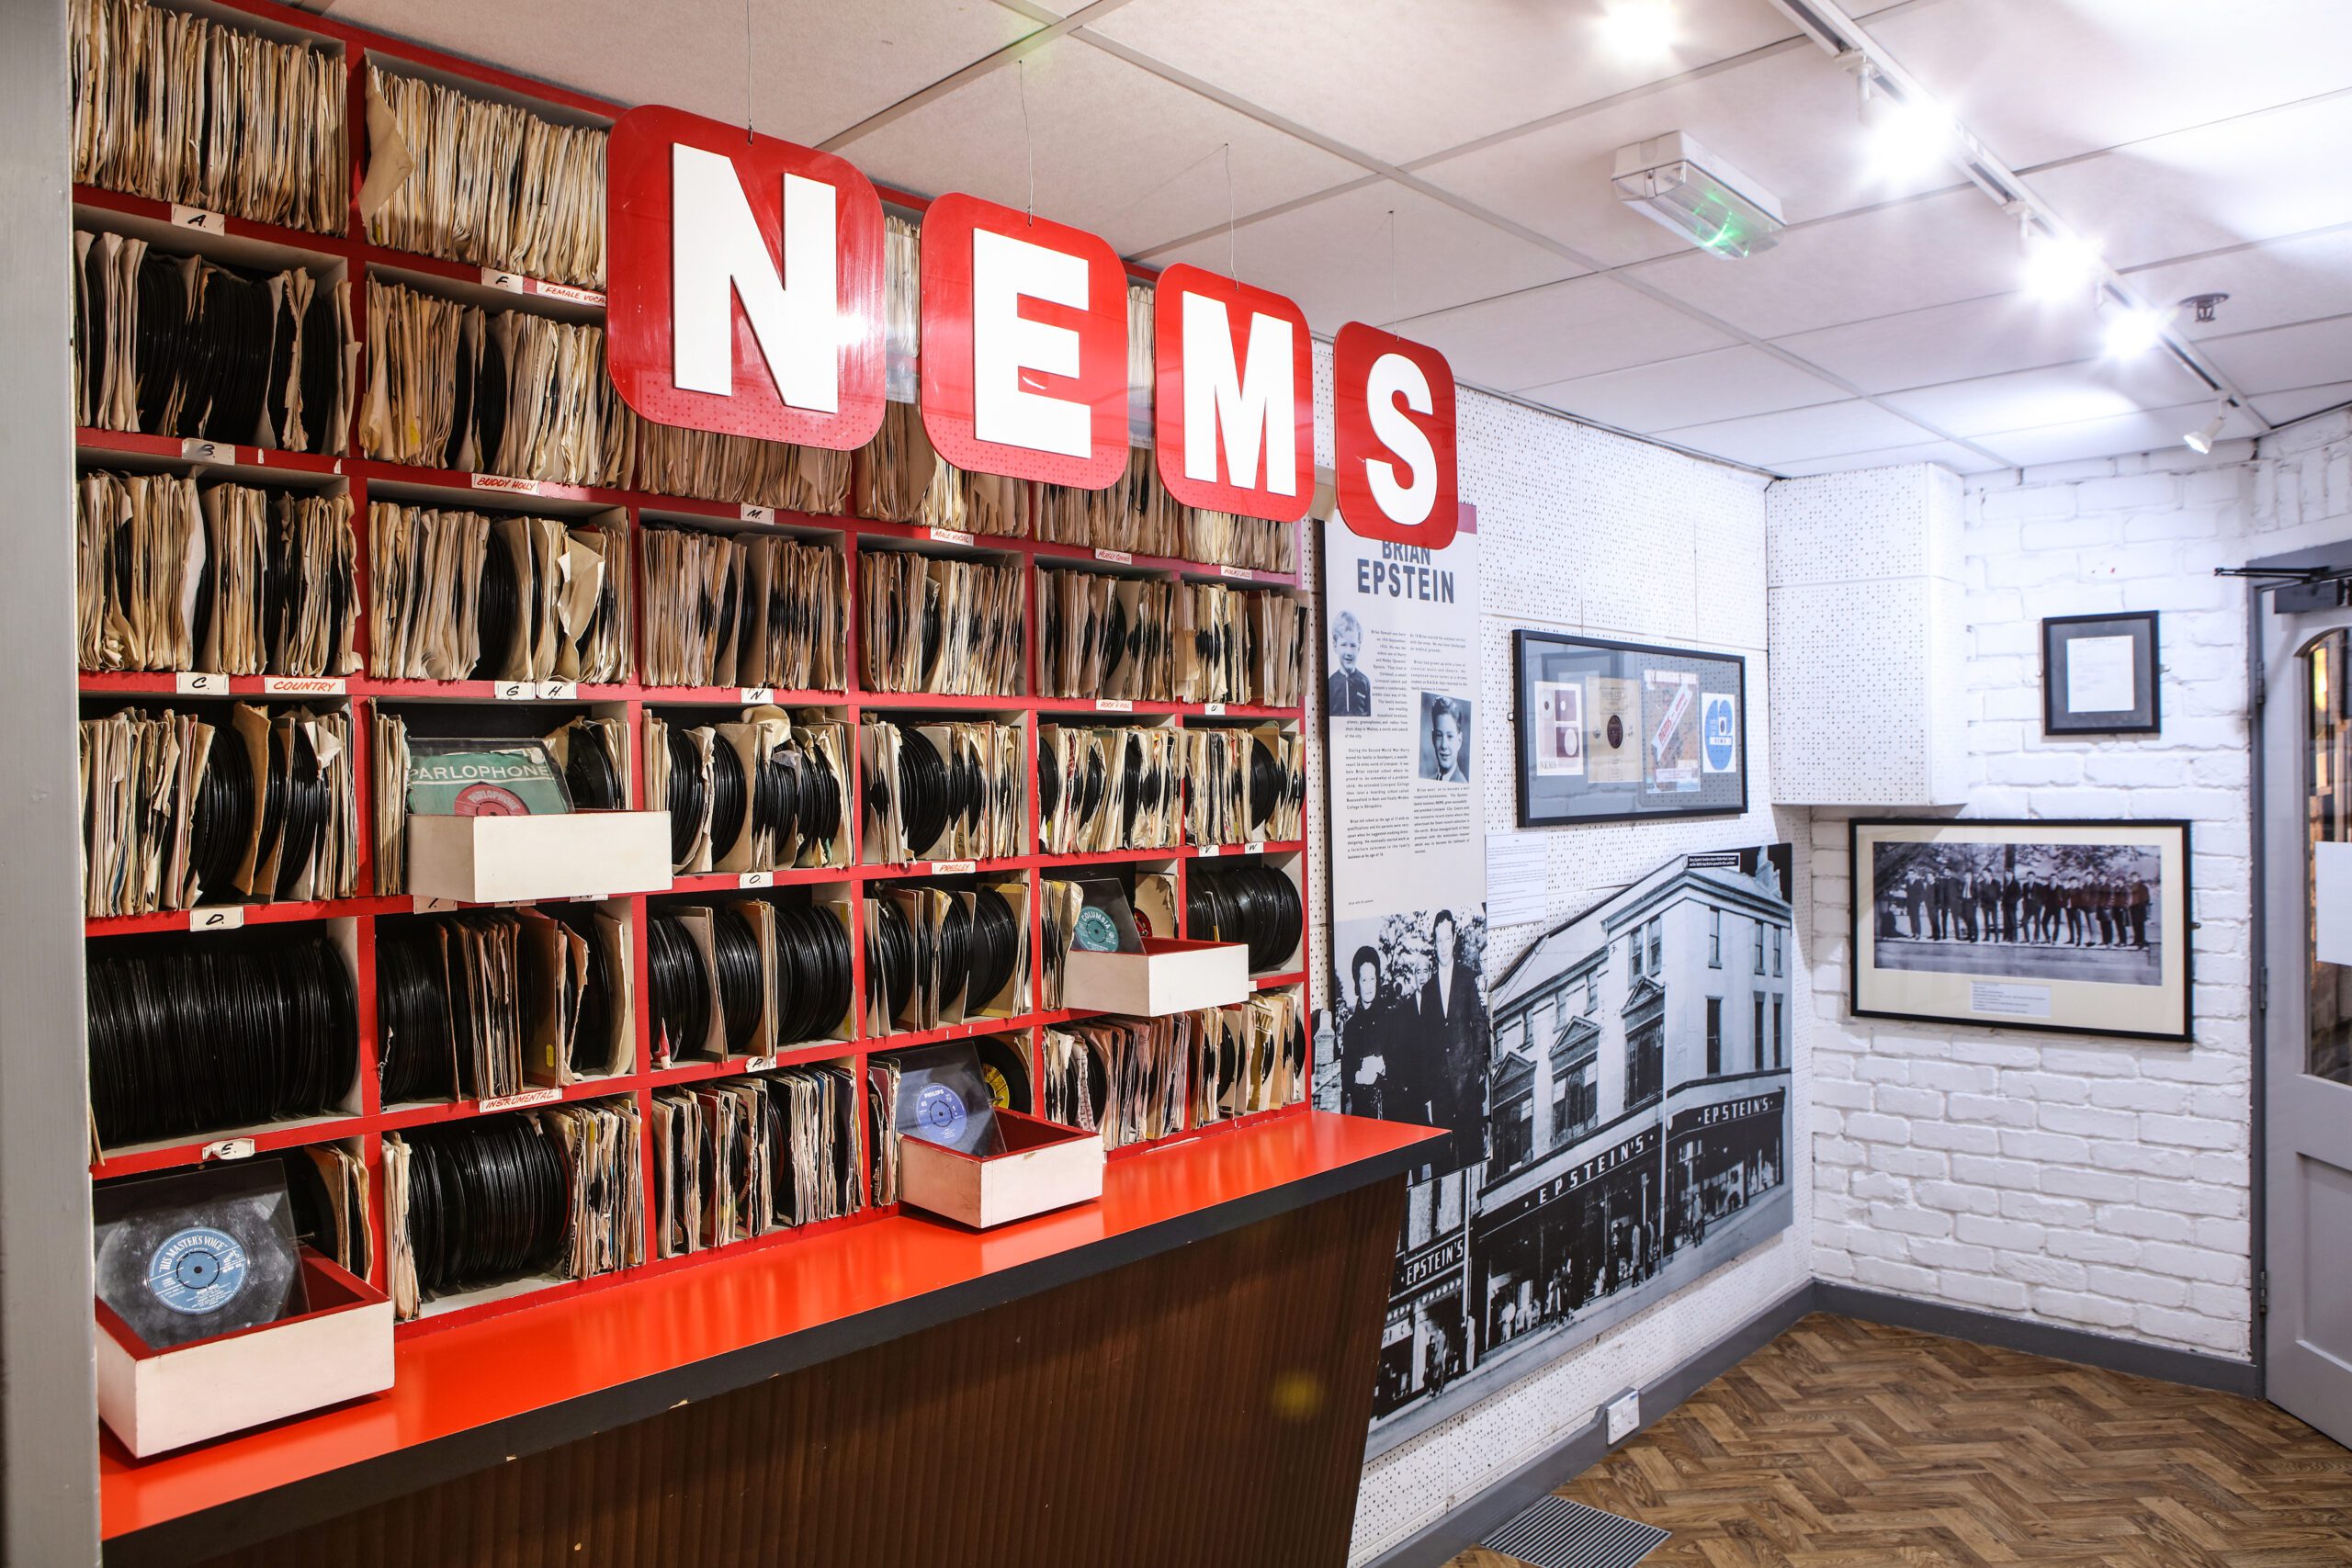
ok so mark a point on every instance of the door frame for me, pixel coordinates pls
(2266, 575)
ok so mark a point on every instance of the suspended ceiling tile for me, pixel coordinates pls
(2153, 430)
(1829, 430)
(2044, 79)
(1952, 343)
(1404, 78)
(1959, 459)
(1788, 121)
(2059, 394)
(817, 66)
(1118, 151)
(1333, 255)
(1699, 388)
(2269, 284)
(2308, 354)
(2283, 408)
(2253, 178)
(1929, 252)
(1582, 327)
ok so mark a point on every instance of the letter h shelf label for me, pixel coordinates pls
(1393, 430)
(1024, 345)
(746, 282)
(1234, 414)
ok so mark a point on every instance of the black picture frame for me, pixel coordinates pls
(2111, 1004)
(2144, 717)
(1550, 800)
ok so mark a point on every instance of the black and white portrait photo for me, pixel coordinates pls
(1350, 693)
(2036, 911)
(1445, 738)
(1412, 1025)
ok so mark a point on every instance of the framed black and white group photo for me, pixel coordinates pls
(2077, 927)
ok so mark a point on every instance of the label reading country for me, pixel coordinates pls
(746, 297)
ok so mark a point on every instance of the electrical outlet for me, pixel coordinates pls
(1624, 1414)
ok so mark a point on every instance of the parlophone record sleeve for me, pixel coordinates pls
(484, 778)
(188, 1257)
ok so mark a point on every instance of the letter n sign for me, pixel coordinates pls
(1234, 410)
(1024, 345)
(745, 294)
(1394, 441)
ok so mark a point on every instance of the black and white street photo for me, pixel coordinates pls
(2038, 911)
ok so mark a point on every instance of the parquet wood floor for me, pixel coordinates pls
(1847, 1444)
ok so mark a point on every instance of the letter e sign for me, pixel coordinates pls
(1234, 414)
(745, 294)
(1392, 431)
(1024, 345)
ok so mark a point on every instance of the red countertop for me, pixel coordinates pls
(473, 1376)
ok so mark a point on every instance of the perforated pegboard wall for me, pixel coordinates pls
(1866, 619)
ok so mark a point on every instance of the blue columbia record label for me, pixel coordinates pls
(941, 1109)
(199, 1270)
(1096, 932)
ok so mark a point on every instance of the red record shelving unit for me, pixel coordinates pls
(237, 239)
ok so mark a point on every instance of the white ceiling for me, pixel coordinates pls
(1442, 166)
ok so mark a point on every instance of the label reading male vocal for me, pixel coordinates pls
(2006, 1000)
(951, 536)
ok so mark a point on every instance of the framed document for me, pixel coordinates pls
(2099, 674)
(2080, 928)
(1616, 731)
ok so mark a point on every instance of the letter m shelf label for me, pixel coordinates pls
(745, 294)
(1392, 439)
(1234, 416)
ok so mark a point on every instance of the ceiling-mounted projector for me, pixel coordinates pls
(1679, 183)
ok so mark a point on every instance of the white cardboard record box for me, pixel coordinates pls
(1169, 976)
(155, 1401)
(1044, 1166)
(515, 860)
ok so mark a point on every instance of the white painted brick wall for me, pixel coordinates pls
(2096, 1184)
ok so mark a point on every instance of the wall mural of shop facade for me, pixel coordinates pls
(1638, 1136)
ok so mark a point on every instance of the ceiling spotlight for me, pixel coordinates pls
(2201, 440)
(2058, 267)
(1907, 137)
(2132, 330)
(1639, 28)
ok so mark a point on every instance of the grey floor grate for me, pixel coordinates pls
(1556, 1533)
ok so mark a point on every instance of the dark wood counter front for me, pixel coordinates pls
(1180, 1374)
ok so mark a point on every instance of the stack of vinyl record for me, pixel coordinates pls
(173, 344)
(592, 752)
(1137, 1078)
(474, 1005)
(1243, 786)
(747, 977)
(1255, 905)
(759, 793)
(468, 595)
(937, 955)
(1248, 1057)
(673, 460)
(1059, 907)
(944, 791)
(1222, 539)
(472, 1203)
(948, 628)
(192, 1034)
(180, 108)
(171, 578)
(453, 385)
(1106, 636)
(488, 183)
(1108, 788)
(180, 808)
(743, 610)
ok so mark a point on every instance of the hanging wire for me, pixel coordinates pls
(1393, 315)
(1232, 244)
(747, 70)
(1028, 148)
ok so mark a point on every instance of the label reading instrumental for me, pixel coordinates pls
(516, 1101)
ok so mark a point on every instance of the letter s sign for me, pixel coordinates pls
(1394, 438)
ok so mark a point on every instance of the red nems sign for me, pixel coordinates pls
(745, 295)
